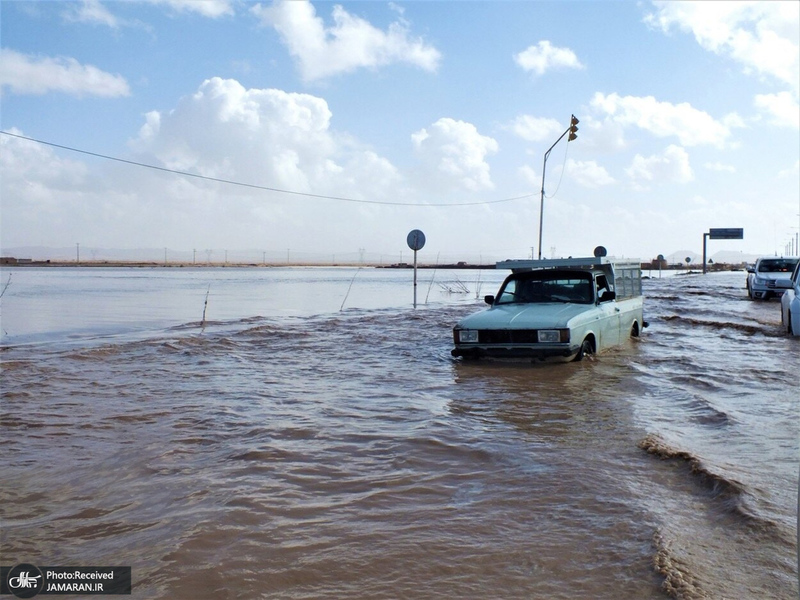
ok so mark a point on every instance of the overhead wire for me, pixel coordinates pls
(263, 187)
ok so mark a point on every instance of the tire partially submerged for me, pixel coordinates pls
(587, 349)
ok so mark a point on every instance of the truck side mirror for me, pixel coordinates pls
(489, 299)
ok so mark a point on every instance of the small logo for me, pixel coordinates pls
(25, 581)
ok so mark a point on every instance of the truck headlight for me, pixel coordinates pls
(548, 335)
(552, 336)
(468, 336)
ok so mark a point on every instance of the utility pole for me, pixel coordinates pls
(572, 131)
(78, 255)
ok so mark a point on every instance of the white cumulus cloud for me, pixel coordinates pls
(544, 56)
(95, 12)
(39, 189)
(263, 137)
(672, 166)
(26, 74)
(90, 11)
(782, 108)
(212, 9)
(691, 126)
(535, 129)
(588, 173)
(764, 37)
(720, 167)
(349, 44)
(454, 154)
(23, 162)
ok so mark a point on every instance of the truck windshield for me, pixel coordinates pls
(547, 286)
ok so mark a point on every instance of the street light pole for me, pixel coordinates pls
(571, 130)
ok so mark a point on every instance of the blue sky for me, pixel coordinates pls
(384, 117)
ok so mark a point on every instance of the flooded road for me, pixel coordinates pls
(290, 449)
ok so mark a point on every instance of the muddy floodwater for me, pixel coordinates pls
(312, 437)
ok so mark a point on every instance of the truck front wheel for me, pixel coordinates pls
(587, 349)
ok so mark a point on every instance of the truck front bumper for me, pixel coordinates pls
(537, 351)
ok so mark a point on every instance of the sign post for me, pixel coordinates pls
(415, 241)
(724, 233)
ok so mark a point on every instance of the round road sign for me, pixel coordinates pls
(416, 240)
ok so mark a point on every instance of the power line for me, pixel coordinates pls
(259, 187)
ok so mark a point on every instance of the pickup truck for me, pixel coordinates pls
(560, 309)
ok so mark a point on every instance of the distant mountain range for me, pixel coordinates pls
(724, 256)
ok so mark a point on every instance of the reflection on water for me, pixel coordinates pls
(291, 452)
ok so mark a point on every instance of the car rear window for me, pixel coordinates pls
(777, 265)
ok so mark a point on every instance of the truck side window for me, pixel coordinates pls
(602, 287)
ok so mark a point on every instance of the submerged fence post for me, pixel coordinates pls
(430, 285)
(205, 306)
(341, 308)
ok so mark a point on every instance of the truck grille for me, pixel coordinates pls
(507, 336)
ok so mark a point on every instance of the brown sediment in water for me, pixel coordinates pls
(719, 484)
(678, 581)
(742, 327)
(731, 493)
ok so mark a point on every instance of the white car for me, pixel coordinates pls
(790, 304)
(560, 309)
(769, 277)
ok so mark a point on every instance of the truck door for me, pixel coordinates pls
(609, 318)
